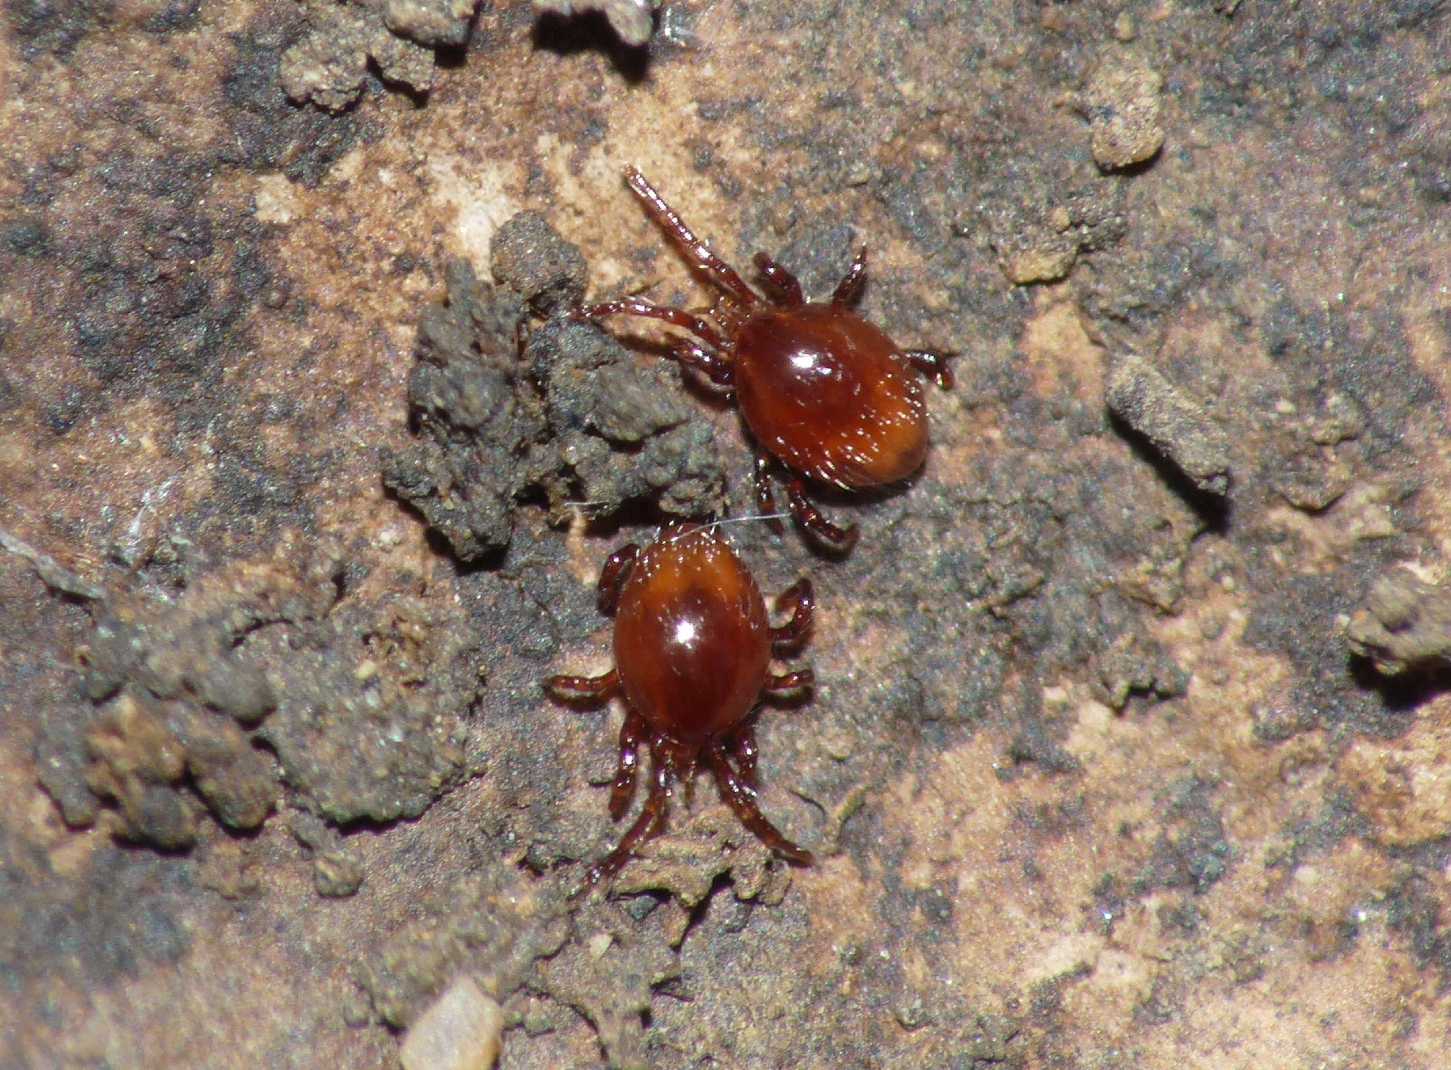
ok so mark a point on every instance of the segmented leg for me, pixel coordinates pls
(721, 273)
(613, 576)
(584, 690)
(742, 799)
(805, 513)
(638, 306)
(850, 286)
(650, 822)
(931, 364)
(789, 684)
(743, 746)
(712, 365)
(800, 601)
(780, 281)
(632, 733)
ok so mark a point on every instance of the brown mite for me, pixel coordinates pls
(822, 391)
(693, 648)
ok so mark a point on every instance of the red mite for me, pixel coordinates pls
(693, 648)
(822, 390)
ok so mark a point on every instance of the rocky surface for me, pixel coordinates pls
(305, 492)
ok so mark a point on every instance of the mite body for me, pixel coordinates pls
(693, 647)
(823, 392)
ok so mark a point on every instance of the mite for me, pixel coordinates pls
(693, 648)
(823, 392)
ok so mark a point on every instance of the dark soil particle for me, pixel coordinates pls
(1146, 401)
(599, 396)
(1405, 624)
(476, 418)
(268, 133)
(530, 257)
(574, 415)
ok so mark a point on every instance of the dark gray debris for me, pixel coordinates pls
(364, 705)
(530, 257)
(432, 23)
(475, 421)
(594, 385)
(620, 428)
(577, 416)
(633, 20)
(1174, 425)
(1405, 625)
(1039, 242)
(176, 688)
(372, 724)
(493, 922)
(329, 66)
(1136, 664)
(337, 871)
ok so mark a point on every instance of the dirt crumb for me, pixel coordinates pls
(329, 66)
(633, 20)
(1404, 625)
(1174, 425)
(1122, 105)
(472, 416)
(530, 257)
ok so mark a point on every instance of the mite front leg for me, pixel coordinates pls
(800, 601)
(636, 306)
(933, 365)
(712, 365)
(632, 733)
(720, 272)
(584, 690)
(780, 281)
(850, 286)
(742, 800)
(804, 511)
(613, 576)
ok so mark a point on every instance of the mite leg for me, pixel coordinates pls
(632, 732)
(650, 822)
(584, 690)
(850, 286)
(800, 601)
(789, 684)
(743, 747)
(780, 281)
(933, 365)
(721, 273)
(613, 576)
(637, 306)
(742, 799)
(712, 365)
(805, 513)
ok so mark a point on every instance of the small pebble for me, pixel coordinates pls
(461, 1030)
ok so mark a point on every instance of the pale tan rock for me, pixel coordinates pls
(459, 1031)
(1039, 264)
(1122, 105)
